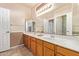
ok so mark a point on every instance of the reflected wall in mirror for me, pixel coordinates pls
(51, 26)
(30, 26)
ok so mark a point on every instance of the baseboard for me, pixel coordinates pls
(16, 46)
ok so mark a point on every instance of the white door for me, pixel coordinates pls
(4, 29)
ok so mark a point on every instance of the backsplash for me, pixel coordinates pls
(16, 38)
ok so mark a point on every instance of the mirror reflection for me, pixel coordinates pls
(61, 20)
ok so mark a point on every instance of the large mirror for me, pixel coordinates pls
(64, 22)
(30, 26)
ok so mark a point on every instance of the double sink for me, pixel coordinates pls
(46, 36)
(70, 42)
(54, 38)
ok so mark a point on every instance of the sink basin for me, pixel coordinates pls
(46, 36)
(40, 35)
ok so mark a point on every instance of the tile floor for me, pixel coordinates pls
(19, 51)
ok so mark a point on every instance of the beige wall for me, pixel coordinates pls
(18, 14)
(16, 38)
(17, 21)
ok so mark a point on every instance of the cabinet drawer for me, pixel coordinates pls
(48, 52)
(66, 52)
(39, 41)
(33, 39)
(49, 45)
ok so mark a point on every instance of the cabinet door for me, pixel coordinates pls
(39, 41)
(29, 42)
(33, 47)
(66, 52)
(25, 40)
(57, 54)
(48, 45)
(48, 52)
(39, 50)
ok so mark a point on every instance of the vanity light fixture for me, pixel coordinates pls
(44, 9)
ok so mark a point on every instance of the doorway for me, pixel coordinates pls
(64, 25)
(51, 26)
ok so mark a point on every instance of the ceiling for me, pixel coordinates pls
(18, 5)
(31, 5)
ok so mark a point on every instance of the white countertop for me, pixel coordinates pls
(69, 42)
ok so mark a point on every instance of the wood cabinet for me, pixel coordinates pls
(57, 54)
(48, 49)
(65, 51)
(28, 42)
(48, 52)
(39, 41)
(39, 49)
(33, 46)
(25, 40)
(43, 48)
(48, 45)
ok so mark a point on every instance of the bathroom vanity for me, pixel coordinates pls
(43, 45)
